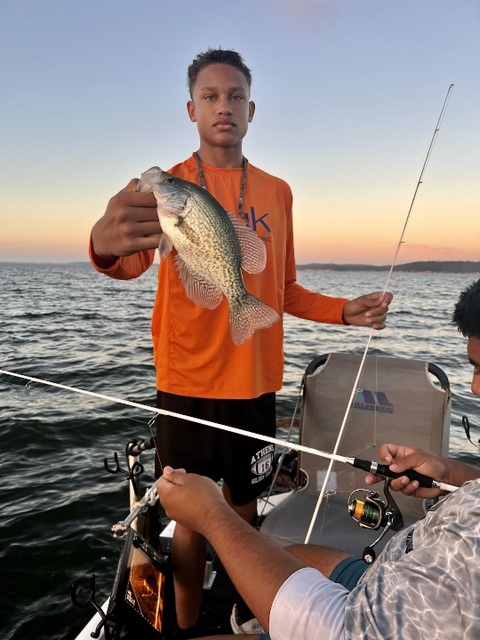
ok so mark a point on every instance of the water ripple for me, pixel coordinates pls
(69, 324)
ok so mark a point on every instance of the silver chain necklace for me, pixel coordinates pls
(242, 182)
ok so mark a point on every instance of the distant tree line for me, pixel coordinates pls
(439, 266)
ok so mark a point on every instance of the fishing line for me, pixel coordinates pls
(137, 405)
(266, 499)
(366, 465)
(151, 423)
(420, 181)
(367, 347)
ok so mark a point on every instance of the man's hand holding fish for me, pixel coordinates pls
(130, 224)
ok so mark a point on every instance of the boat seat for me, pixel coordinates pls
(398, 400)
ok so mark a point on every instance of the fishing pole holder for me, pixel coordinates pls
(150, 499)
(107, 621)
(372, 512)
(141, 605)
(466, 427)
(134, 467)
(144, 509)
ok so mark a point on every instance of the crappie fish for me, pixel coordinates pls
(213, 247)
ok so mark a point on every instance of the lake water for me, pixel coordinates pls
(71, 325)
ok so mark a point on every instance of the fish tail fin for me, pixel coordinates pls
(248, 316)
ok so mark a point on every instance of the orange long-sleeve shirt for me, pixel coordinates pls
(193, 351)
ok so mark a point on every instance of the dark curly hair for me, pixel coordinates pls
(216, 56)
(466, 315)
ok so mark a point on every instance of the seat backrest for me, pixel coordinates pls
(397, 400)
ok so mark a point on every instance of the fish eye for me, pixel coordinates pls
(170, 180)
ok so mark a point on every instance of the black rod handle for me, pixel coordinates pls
(384, 470)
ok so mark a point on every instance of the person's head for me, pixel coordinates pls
(466, 317)
(216, 56)
(219, 83)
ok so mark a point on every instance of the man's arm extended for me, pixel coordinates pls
(256, 565)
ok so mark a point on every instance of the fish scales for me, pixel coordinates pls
(212, 248)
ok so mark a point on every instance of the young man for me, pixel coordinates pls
(425, 583)
(199, 371)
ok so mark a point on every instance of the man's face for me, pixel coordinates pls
(473, 351)
(220, 105)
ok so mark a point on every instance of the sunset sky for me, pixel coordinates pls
(348, 93)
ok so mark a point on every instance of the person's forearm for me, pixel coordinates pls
(460, 472)
(256, 565)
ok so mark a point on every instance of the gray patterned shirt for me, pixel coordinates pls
(426, 582)
(425, 585)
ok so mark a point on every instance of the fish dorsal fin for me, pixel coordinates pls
(254, 254)
(198, 291)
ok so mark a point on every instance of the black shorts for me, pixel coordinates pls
(245, 464)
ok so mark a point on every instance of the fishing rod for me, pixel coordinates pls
(419, 181)
(367, 346)
(366, 465)
(384, 471)
(368, 512)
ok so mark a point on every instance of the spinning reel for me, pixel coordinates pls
(372, 512)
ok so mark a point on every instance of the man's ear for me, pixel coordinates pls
(191, 110)
(251, 110)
